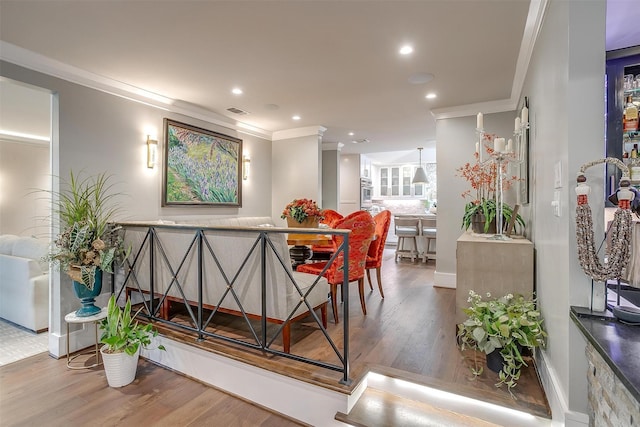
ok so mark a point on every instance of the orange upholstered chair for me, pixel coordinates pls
(362, 230)
(324, 252)
(376, 249)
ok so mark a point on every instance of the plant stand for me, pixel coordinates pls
(74, 318)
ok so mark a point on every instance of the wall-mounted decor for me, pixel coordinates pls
(202, 167)
(524, 156)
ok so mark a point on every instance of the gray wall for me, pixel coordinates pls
(565, 84)
(94, 132)
(455, 144)
(330, 179)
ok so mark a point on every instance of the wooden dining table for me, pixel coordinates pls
(300, 251)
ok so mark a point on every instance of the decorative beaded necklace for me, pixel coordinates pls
(620, 231)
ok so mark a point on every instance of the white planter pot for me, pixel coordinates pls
(120, 368)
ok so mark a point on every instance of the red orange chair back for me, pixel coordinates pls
(376, 249)
(362, 229)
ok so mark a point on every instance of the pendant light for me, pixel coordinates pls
(420, 177)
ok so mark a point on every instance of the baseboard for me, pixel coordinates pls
(561, 415)
(270, 390)
(444, 280)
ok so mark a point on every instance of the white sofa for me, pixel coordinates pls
(230, 248)
(24, 282)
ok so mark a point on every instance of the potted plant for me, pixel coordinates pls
(89, 243)
(123, 337)
(302, 213)
(482, 177)
(484, 213)
(501, 327)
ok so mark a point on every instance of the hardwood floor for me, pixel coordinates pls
(410, 332)
(410, 335)
(41, 391)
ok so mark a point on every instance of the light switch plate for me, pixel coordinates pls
(557, 207)
(557, 175)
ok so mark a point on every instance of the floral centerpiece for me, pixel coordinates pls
(482, 177)
(503, 326)
(303, 212)
(88, 242)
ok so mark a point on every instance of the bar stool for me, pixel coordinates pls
(428, 227)
(407, 228)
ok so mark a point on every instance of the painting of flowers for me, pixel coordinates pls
(202, 167)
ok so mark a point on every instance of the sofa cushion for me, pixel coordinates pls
(6, 243)
(32, 248)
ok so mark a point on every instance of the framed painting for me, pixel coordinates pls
(202, 167)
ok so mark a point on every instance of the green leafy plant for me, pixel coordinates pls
(489, 209)
(508, 324)
(121, 333)
(88, 239)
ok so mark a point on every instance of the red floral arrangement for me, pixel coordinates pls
(300, 209)
(483, 177)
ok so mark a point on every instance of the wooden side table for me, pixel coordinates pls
(72, 318)
(496, 266)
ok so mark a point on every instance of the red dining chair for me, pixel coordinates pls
(324, 252)
(362, 229)
(376, 248)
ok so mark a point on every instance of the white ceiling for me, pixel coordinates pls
(335, 63)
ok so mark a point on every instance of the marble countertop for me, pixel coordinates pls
(617, 343)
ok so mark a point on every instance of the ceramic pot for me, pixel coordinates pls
(477, 224)
(88, 296)
(120, 368)
(495, 360)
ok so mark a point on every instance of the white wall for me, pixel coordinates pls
(349, 183)
(565, 85)
(455, 143)
(296, 164)
(24, 169)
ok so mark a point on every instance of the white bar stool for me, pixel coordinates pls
(407, 228)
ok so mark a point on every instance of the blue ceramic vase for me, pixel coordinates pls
(88, 296)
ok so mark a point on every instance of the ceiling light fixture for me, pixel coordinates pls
(431, 96)
(420, 177)
(406, 50)
(296, 117)
(236, 91)
(351, 133)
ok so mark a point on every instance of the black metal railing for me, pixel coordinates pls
(167, 261)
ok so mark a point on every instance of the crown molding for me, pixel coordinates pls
(535, 17)
(43, 64)
(298, 132)
(473, 109)
(326, 146)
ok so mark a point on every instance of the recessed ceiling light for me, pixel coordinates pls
(420, 78)
(406, 50)
(236, 91)
(431, 96)
(296, 117)
(351, 134)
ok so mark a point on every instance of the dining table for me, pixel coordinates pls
(301, 251)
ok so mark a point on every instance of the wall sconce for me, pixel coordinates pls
(246, 161)
(152, 152)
